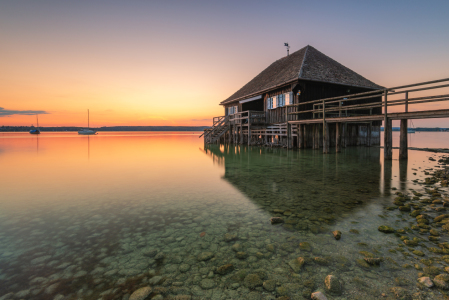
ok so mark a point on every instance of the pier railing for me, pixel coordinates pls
(248, 117)
(343, 109)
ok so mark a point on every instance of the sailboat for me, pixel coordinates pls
(87, 131)
(36, 131)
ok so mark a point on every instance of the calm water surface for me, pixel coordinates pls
(97, 217)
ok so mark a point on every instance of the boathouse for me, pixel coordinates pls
(269, 109)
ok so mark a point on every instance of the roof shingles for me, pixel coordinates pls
(306, 63)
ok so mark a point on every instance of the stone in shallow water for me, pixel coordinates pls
(296, 264)
(225, 269)
(276, 220)
(269, 285)
(229, 237)
(141, 293)
(400, 293)
(426, 281)
(332, 284)
(205, 256)
(241, 255)
(318, 296)
(156, 280)
(252, 280)
(373, 260)
(337, 234)
(386, 229)
(207, 284)
(184, 268)
(159, 256)
(441, 281)
(305, 246)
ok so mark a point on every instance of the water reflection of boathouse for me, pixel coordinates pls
(303, 180)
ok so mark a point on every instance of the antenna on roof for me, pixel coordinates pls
(288, 47)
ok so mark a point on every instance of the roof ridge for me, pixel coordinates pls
(303, 60)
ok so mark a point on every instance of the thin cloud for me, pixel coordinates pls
(8, 112)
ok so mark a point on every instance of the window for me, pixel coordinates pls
(269, 103)
(275, 102)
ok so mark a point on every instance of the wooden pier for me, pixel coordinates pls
(334, 122)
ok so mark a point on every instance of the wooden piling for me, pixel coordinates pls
(388, 155)
(338, 137)
(388, 140)
(403, 143)
(300, 136)
(289, 135)
(325, 138)
(368, 135)
(403, 140)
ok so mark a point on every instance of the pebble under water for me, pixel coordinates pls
(103, 217)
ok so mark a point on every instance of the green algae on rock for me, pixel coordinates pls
(386, 229)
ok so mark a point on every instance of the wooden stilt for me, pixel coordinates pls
(300, 136)
(317, 137)
(368, 135)
(325, 138)
(289, 136)
(388, 140)
(249, 133)
(403, 143)
(338, 137)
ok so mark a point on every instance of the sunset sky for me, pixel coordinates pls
(172, 62)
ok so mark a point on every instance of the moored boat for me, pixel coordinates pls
(36, 131)
(87, 131)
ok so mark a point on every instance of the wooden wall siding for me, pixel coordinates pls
(277, 115)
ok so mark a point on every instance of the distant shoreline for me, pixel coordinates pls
(105, 128)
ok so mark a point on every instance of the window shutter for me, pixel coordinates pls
(290, 96)
(268, 103)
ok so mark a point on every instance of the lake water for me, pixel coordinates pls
(98, 217)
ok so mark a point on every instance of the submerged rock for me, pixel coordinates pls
(225, 269)
(230, 237)
(426, 281)
(318, 296)
(337, 234)
(205, 256)
(276, 220)
(386, 229)
(269, 285)
(305, 246)
(252, 280)
(401, 293)
(296, 264)
(332, 284)
(373, 261)
(207, 284)
(141, 293)
(440, 282)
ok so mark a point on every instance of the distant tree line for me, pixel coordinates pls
(106, 128)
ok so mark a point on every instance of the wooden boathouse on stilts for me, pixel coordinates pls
(308, 100)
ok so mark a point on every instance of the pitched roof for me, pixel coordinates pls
(307, 64)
